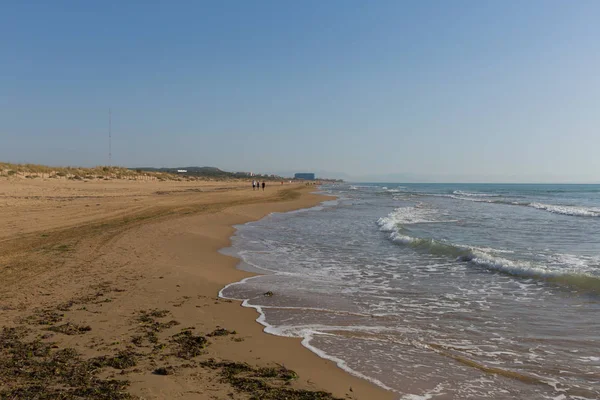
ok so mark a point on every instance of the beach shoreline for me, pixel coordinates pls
(141, 247)
(256, 272)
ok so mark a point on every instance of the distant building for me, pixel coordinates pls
(182, 170)
(305, 175)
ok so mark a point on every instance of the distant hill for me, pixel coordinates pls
(211, 172)
(205, 172)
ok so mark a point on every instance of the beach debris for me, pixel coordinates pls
(122, 360)
(137, 340)
(221, 332)
(148, 316)
(268, 294)
(44, 317)
(91, 298)
(150, 327)
(187, 345)
(268, 383)
(70, 329)
(36, 370)
(163, 371)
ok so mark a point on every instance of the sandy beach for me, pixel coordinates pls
(126, 274)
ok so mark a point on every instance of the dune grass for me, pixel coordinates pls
(79, 173)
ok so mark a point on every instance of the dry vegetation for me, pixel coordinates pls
(33, 171)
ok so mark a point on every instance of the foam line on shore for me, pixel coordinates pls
(306, 334)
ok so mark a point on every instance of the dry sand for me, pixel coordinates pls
(137, 263)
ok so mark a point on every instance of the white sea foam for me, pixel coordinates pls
(486, 200)
(341, 363)
(473, 199)
(469, 194)
(575, 211)
(526, 269)
(575, 268)
(590, 359)
(437, 391)
(306, 332)
(405, 216)
(221, 295)
(400, 238)
(388, 288)
(484, 257)
(568, 210)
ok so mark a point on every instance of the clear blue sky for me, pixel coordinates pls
(434, 90)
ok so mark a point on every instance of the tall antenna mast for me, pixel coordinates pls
(110, 137)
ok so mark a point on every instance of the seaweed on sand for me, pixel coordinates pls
(44, 317)
(32, 369)
(122, 360)
(70, 329)
(267, 383)
(221, 332)
(187, 345)
(150, 327)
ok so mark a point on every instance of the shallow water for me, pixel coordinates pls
(439, 291)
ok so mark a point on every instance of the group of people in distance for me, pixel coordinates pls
(256, 185)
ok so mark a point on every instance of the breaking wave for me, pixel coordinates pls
(567, 273)
(485, 200)
(568, 210)
(469, 194)
(407, 215)
(574, 211)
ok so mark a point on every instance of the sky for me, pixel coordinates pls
(446, 91)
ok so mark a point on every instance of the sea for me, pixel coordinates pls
(437, 291)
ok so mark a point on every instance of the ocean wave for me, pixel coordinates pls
(571, 271)
(484, 200)
(574, 211)
(388, 190)
(406, 215)
(568, 210)
(470, 194)
(364, 187)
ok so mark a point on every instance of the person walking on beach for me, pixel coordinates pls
(253, 185)
(263, 184)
